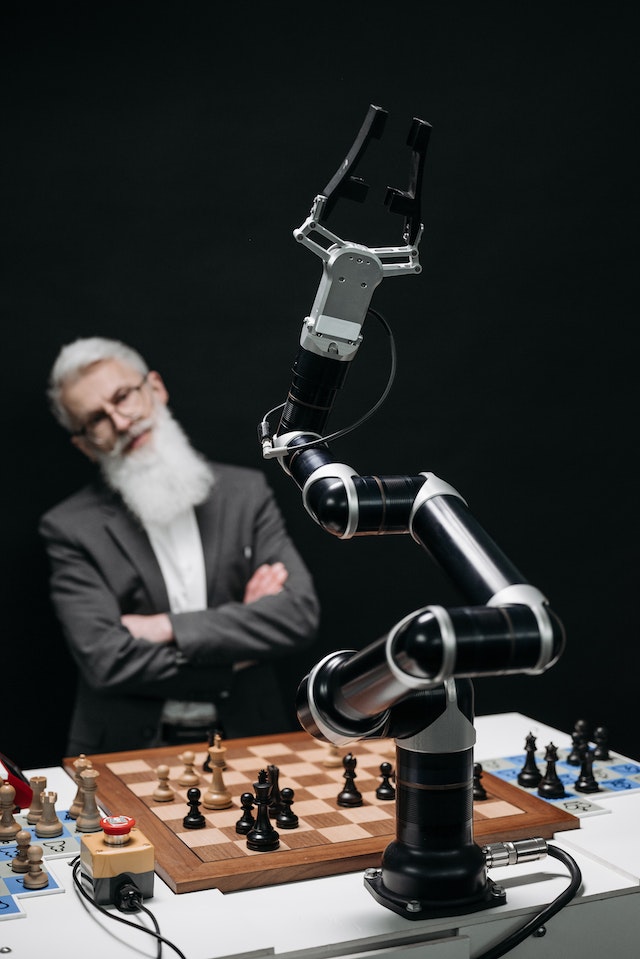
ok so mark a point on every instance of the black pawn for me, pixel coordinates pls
(479, 792)
(586, 781)
(582, 726)
(529, 776)
(578, 746)
(274, 794)
(550, 786)
(286, 818)
(601, 739)
(194, 818)
(246, 821)
(385, 790)
(350, 795)
(262, 837)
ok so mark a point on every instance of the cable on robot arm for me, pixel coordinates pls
(332, 332)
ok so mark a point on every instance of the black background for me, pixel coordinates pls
(157, 159)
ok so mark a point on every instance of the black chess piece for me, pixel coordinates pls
(273, 774)
(582, 726)
(578, 746)
(586, 781)
(246, 821)
(206, 766)
(385, 790)
(194, 818)
(350, 795)
(262, 837)
(550, 786)
(479, 792)
(286, 818)
(529, 776)
(601, 739)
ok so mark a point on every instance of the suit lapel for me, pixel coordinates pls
(208, 517)
(134, 542)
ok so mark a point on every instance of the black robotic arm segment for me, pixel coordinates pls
(443, 525)
(348, 695)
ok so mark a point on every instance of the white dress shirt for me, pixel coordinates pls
(178, 549)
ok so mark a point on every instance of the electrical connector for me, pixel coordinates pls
(127, 897)
(515, 851)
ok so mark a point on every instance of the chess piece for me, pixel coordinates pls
(332, 758)
(286, 818)
(194, 818)
(8, 825)
(20, 862)
(578, 745)
(79, 765)
(217, 795)
(36, 877)
(188, 776)
(385, 790)
(529, 776)
(350, 795)
(89, 817)
(206, 766)
(49, 825)
(550, 786)
(601, 739)
(274, 796)
(38, 785)
(163, 791)
(479, 792)
(246, 821)
(262, 837)
(581, 726)
(586, 781)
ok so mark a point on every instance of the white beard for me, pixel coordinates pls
(164, 477)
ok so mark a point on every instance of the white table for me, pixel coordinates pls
(337, 917)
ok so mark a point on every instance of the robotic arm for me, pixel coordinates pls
(414, 683)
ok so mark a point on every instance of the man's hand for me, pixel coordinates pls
(156, 628)
(267, 580)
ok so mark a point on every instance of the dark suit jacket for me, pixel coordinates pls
(103, 566)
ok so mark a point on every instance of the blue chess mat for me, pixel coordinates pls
(614, 776)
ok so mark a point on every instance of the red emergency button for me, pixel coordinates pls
(117, 825)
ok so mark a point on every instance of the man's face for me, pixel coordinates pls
(95, 404)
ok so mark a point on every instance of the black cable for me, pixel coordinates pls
(545, 914)
(393, 363)
(155, 933)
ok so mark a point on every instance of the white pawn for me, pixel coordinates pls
(20, 862)
(36, 878)
(163, 791)
(189, 776)
(8, 825)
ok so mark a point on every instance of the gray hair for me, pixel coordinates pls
(74, 358)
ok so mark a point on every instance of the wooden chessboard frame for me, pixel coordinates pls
(183, 870)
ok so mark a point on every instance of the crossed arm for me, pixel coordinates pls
(267, 580)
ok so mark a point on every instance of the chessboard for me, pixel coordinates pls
(329, 840)
(12, 889)
(615, 776)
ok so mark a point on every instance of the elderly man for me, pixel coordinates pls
(174, 579)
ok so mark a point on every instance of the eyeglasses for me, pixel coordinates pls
(127, 402)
